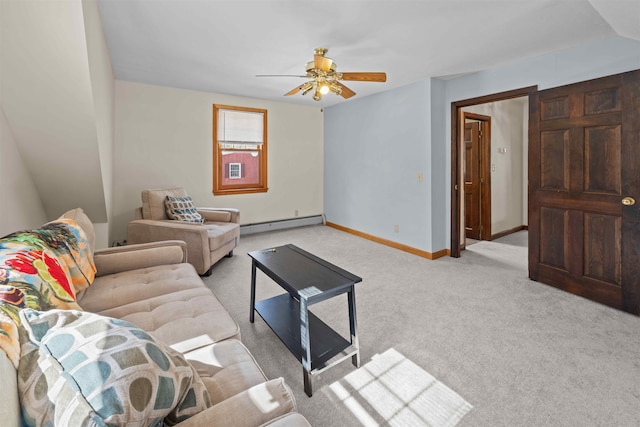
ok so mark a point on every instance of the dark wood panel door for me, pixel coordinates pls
(472, 225)
(584, 174)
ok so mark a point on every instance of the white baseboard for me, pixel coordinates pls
(280, 225)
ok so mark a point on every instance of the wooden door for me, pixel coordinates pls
(472, 225)
(584, 157)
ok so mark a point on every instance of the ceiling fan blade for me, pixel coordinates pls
(279, 75)
(365, 77)
(346, 92)
(294, 91)
(322, 63)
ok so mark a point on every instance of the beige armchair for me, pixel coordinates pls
(206, 243)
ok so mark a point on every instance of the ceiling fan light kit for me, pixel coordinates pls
(325, 78)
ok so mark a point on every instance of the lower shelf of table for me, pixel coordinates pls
(282, 314)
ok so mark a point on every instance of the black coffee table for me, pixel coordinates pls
(308, 280)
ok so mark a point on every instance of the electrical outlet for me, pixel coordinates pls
(396, 228)
(295, 213)
(419, 176)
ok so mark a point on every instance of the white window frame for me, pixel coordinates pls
(233, 172)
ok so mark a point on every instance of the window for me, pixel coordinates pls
(239, 150)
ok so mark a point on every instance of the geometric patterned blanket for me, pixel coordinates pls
(41, 269)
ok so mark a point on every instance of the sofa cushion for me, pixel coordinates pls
(119, 289)
(80, 367)
(171, 302)
(185, 319)
(153, 202)
(226, 369)
(219, 233)
(253, 407)
(182, 209)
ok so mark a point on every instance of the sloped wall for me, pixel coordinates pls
(47, 98)
(21, 205)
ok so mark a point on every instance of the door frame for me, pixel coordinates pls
(456, 155)
(485, 171)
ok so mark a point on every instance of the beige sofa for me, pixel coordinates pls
(151, 286)
(206, 243)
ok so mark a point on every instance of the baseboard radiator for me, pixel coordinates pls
(281, 224)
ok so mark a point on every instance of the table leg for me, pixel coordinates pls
(253, 291)
(308, 388)
(353, 325)
(305, 343)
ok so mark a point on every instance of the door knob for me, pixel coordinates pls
(628, 201)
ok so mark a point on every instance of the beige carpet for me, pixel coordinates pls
(391, 389)
(502, 350)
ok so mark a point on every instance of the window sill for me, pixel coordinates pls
(227, 191)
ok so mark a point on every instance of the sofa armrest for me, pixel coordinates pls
(195, 235)
(292, 419)
(132, 257)
(10, 407)
(250, 408)
(210, 214)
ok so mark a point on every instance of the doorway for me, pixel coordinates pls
(497, 175)
(584, 224)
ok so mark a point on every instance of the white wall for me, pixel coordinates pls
(163, 138)
(22, 208)
(507, 172)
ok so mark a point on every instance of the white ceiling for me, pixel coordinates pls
(220, 46)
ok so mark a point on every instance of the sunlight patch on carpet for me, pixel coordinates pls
(392, 390)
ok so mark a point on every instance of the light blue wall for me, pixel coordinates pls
(375, 146)
(439, 166)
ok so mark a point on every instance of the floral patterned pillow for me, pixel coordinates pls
(31, 276)
(12, 300)
(70, 243)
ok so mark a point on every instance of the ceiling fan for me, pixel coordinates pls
(325, 78)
